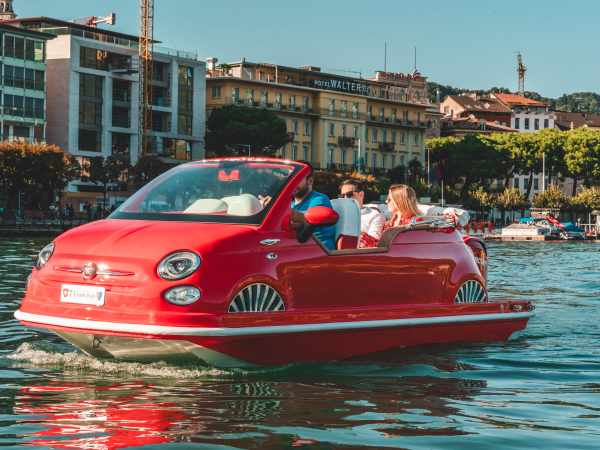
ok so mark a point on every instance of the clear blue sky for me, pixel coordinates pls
(465, 43)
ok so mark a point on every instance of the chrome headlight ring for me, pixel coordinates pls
(44, 256)
(178, 265)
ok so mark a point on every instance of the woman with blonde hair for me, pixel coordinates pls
(402, 204)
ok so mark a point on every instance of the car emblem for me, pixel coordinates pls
(89, 271)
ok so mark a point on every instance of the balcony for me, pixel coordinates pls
(344, 141)
(387, 146)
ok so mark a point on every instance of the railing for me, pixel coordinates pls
(269, 105)
(387, 146)
(346, 141)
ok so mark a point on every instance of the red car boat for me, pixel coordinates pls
(204, 263)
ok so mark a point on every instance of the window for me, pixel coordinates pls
(250, 96)
(13, 105)
(355, 110)
(405, 116)
(331, 129)
(536, 184)
(370, 113)
(394, 115)
(332, 107)
(417, 138)
(343, 156)
(28, 107)
(39, 80)
(216, 92)
(394, 135)
(294, 151)
(292, 102)
(344, 129)
(29, 50)
(374, 135)
(384, 136)
(546, 123)
(527, 123)
(39, 52)
(517, 123)
(393, 161)
(9, 45)
(121, 144)
(403, 160)
(121, 117)
(382, 114)
(39, 112)
(306, 128)
(235, 95)
(185, 107)
(374, 159)
(264, 97)
(305, 103)
(305, 155)
(90, 112)
(525, 184)
(278, 99)
(92, 58)
(355, 157)
(344, 108)
(295, 127)
(89, 140)
(403, 137)
(355, 132)
(330, 150)
(19, 48)
(516, 183)
(536, 124)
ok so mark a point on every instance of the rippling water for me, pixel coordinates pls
(541, 390)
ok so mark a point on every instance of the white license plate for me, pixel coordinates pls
(82, 295)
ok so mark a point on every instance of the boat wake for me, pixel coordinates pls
(29, 355)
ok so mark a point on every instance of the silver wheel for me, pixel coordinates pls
(257, 297)
(471, 292)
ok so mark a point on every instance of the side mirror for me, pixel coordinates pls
(321, 216)
(315, 217)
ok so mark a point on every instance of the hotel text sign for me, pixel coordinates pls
(336, 84)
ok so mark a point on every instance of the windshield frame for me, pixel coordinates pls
(256, 219)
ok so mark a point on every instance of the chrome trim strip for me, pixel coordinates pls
(105, 273)
(270, 242)
(254, 331)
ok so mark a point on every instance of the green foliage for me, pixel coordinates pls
(578, 102)
(511, 199)
(582, 153)
(480, 199)
(328, 182)
(553, 197)
(148, 168)
(587, 199)
(232, 129)
(37, 171)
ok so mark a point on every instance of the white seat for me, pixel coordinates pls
(207, 206)
(348, 225)
(243, 205)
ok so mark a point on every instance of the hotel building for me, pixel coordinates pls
(334, 121)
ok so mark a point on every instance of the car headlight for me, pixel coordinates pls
(178, 265)
(44, 256)
(182, 295)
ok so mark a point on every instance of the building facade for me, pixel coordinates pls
(93, 102)
(23, 84)
(527, 115)
(334, 121)
(483, 108)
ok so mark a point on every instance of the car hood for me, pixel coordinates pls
(151, 239)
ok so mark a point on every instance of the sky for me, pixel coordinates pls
(463, 43)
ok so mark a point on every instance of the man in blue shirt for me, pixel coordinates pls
(304, 199)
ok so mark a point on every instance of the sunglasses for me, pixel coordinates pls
(348, 194)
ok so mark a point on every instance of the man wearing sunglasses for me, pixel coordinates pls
(371, 220)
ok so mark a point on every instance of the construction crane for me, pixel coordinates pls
(521, 69)
(146, 48)
(94, 21)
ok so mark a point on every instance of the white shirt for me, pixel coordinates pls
(371, 222)
(462, 216)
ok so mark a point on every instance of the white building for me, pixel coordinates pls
(528, 116)
(93, 94)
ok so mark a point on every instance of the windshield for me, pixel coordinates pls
(213, 191)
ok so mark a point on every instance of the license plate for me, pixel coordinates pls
(82, 295)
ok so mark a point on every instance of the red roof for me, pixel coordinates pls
(518, 100)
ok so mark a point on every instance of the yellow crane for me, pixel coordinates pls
(146, 48)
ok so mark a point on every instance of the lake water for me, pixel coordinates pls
(541, 390)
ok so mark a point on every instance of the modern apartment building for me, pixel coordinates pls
(93, 86)
(23, 84)
(333, 120)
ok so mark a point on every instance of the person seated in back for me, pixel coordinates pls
(402, 203)
(305, 198)
(371, 220)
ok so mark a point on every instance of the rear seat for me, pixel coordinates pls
(347, 229)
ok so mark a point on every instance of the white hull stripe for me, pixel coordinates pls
(92, 325)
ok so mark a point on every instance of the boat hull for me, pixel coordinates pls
(268, 343)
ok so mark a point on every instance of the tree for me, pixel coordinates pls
(480, 199)
(511, 199)
(588, 199)
(107, 171)
(235, 130)
(35, 173)
(553, 197)
(147, 168)
(582, 155)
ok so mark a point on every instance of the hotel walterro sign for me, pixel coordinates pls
(342, 85)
